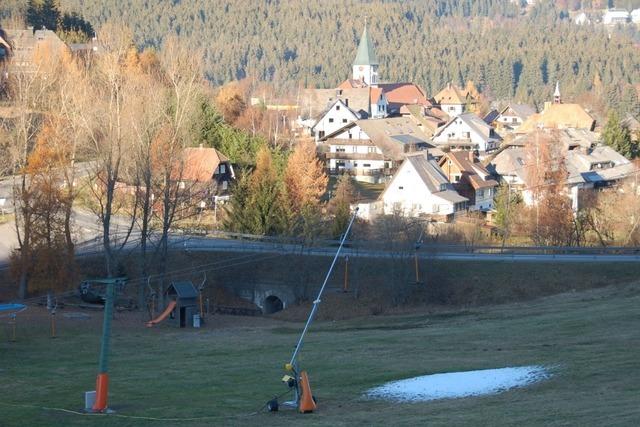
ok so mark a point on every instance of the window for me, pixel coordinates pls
(222, 168)
(400, 187)
(225, 184)
(456, 178)
(467, 135)
(366, 165)
(371, 149)
(354, 148)
(321, 134)
(350, 136)
(337, 108)
(514, 120)
(344, 120)
(330, 119)
(480, 193)
(340, 149)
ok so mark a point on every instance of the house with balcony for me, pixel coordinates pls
(371, 150)
(470, 179)
(467, 132)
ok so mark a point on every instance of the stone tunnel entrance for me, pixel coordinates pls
(272, 304)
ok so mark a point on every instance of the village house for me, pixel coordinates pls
(428, 118)
(513, 115)
(558, 115)
(24, 45)
(470, 179)
(589, 164)
(615, 17)
(421, 189)
(454, 100)
(364, 93)
(371, 149)
(207, 173)
(467, 132)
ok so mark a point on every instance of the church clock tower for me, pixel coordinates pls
(365, 66)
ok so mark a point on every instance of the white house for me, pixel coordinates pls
(420, 188)
(371, 149)
(513, 115)
(616, 16)
(335, 117)
(452, 100)
(467, 132)
(582, 19)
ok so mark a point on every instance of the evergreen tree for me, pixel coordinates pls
(618, 137)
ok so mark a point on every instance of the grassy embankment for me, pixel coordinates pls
(230, 368)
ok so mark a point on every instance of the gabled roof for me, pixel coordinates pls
(330, 107)
(315, 101)
(429, 123)
(399, 94)
(523, 111)
(366, 54)
(559, 116)
(200, 163)
(352, 84)
(472, 170)
(475, 123)
(182, 290)
(451, 95)
(430, 175)
(492, 116)
(390, 135)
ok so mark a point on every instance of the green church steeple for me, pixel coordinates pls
(366, 54)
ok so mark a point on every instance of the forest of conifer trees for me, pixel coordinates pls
(510, 55)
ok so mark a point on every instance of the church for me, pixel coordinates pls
(361, 96)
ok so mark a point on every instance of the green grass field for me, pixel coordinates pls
(223, 373)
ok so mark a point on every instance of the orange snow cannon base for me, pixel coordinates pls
(102, 392)
(307, 403)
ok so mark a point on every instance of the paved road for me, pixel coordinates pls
(198, 244)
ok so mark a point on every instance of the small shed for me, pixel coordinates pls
(186, 297)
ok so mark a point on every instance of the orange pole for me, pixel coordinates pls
(102, 391)
(346, 275)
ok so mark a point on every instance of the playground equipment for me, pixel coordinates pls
(102, 381)
(183, 304)
(12, 310)
(303, 398)
(167, 311)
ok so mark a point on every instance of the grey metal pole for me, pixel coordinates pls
(317, 301)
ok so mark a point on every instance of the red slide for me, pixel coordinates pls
(163, 316)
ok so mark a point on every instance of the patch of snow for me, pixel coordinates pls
(459, 384)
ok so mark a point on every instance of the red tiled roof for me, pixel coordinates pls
(403, 94)
(200, 163)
